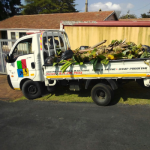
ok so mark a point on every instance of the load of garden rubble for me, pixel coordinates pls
(100, 53)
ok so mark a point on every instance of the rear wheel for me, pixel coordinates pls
(112, 91)
(101, 94)
(31, 90)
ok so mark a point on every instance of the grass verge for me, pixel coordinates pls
(130, 93)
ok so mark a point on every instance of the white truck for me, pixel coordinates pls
(28, 69)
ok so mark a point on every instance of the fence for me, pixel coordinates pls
(91, 35)
(5, 47)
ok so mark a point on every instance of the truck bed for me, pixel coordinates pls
(124, 68)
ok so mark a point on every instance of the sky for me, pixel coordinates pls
(136, 7)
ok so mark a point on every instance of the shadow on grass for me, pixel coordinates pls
(131, 91)
(128, 92)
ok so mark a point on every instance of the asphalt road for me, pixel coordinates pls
(36, 125)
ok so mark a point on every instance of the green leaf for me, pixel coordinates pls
(119, 55)
(120, 41)
(93, 52)
(101, 57)
(125, 52)
(113, 41)
(139, 46)
(73, 58)
(65, 66)
(130, 56)
(76, 58)
(92, 61)
(63, 61)
(94, 64)
(54, 64)
(77, 63)
(134, 48)
(81, 63)
(145, 55)
(105, 61)
(59, 51)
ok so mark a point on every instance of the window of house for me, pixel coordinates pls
(4, 44)
(13, 36)
(4, 34)
(21, 34)
(23, 47)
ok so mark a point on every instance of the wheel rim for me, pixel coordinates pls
(101, 95)
(32, 89)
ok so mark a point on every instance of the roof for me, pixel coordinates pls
(112, 24)
(51, 21)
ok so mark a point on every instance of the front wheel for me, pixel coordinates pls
(101, 94)
(31, 90)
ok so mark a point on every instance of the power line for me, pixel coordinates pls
(141, 7)
(137, 9)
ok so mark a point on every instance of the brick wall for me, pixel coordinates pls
(112, 17)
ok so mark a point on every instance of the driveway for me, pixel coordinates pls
(36, 125)
(6, 93)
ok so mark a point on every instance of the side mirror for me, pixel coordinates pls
(7, 58)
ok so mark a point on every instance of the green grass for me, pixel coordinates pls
(130, 93)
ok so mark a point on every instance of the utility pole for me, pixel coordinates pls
(128, 14)
(86, 6)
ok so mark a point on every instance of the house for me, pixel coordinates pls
(17, 26)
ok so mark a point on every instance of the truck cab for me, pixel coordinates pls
(28, 55)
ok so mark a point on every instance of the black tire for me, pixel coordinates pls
(101, 94)
(31, 90)
(112, 91)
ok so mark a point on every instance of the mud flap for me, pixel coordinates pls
(147, 82)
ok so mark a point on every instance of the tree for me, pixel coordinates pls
(9, 8)
(3, 13)
(145, 15)
(130, 16)
(48, 6)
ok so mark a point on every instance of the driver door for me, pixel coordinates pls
(22, 59)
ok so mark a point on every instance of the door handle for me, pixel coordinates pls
(33, 65)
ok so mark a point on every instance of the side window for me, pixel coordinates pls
(23, 47)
